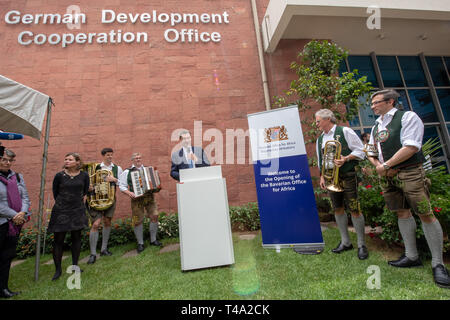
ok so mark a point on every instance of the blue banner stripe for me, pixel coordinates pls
(286, 201)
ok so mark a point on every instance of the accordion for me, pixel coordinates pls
(144, 180)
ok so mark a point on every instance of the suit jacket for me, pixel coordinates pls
(179, 161)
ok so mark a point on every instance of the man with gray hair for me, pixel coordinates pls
(351, 152)
(398, 137)
(140, 206)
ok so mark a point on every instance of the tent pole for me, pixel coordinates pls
(41, 194)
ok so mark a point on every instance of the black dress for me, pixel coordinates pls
(69, 212)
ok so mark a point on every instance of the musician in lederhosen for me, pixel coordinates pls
(106, 215)
(142, 206)
(398, 137)
(352, 151)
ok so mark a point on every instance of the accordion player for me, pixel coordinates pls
(144, 180)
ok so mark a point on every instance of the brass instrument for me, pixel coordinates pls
(330, 171)
(371, 150)
(102, 197)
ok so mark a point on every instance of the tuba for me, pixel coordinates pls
(330, 171)
(102, 196)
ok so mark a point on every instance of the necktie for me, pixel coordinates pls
(191, 165)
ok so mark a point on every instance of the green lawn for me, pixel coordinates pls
(257, 274)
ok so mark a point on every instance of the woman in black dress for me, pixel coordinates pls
(70, 187)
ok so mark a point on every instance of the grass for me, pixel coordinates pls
(257, 274)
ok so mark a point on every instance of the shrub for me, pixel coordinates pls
(373, 208)
(245, 217)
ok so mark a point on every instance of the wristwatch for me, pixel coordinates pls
(386, 167)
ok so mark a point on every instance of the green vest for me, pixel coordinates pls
(390, 141)
(345, 151)
(129, 182)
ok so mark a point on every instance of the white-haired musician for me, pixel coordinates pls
(142, 206)
(351, 152)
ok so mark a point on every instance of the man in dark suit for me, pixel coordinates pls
(187, 157)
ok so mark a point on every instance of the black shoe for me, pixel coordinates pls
(106, 253)
(92, 259)
(405, 262)
(56, 275)
(5, 293)
(363, 253)
(156, 243)
(441, 276)
(13, 293)
(140, 248)
(341, 248)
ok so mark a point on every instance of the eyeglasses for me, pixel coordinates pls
(7, 160)
(378, 102)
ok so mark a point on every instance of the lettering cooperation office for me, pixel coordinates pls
(74, 21)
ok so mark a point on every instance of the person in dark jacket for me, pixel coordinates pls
(14, 212)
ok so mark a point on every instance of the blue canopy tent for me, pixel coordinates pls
(22, 111)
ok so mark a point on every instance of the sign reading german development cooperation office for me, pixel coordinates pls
(287, 206)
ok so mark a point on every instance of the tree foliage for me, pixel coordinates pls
(319, 82)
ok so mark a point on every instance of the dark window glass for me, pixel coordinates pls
(422, 104)
(444, 100)
(354, 122)
(437, 71)
(412, 71)
(403, 101)
(389, 71)
(447, 63)
(365, 68)
(367, 115)
(431, 133)
(342, 67)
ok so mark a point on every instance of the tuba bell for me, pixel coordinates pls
(330, 171)
(102, 196)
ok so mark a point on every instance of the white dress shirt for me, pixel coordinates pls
(411, 133)
(186, 152)
(354, 142)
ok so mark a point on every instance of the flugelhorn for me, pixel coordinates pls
(330, 171)
(102, 197)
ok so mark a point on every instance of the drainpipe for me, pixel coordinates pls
(261, 55)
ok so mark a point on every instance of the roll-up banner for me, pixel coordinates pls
(287, 206)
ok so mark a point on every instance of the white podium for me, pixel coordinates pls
(203, 217)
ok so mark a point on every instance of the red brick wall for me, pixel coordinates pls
(131, 97)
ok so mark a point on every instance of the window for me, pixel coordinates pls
(406, 75)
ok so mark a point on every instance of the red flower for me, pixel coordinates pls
(437, 210)
(381, 192)
(368, 186)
